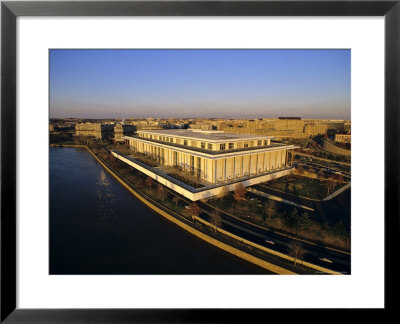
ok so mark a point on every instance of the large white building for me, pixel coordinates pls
(215, 158)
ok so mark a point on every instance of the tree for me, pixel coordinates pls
(321, 174)
(224, 192)
(254, 204)
(132, 178)
(216, 219)
(331, 186)
(338, 178)
(340, 230)
(175, 200)
(304, 220)
(139, 182)
(240, 192)
(296, 251)
(194, 210)
(125, 172)
(270, 207)
(299, 169)
(287, 185)
(295, 218)
(292, 219)
(149, 182)
(161, 191)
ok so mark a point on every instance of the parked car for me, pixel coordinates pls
(326, 260)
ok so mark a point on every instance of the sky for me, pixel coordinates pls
(184, 83)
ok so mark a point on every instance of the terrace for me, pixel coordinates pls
(188, 180)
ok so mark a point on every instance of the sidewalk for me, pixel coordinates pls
(337, 192)
(269, 196)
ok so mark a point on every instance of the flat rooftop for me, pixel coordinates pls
(206, 135)
(212, 152)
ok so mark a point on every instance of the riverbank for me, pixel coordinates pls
(97, 227)
(245, 256)
(188, 226)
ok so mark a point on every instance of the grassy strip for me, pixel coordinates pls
(281, 255)
(304, 187)
(254, 213)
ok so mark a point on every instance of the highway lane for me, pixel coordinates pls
(313, 253)
(328, 169)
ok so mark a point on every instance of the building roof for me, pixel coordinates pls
(219, 153)
(206, 135)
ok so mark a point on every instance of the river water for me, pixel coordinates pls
(98, 227)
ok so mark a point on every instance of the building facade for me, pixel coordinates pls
(97, 130)
(214, 157)
(343, 138)
(122, 129)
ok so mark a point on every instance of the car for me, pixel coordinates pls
(269, 241)
(326, 260)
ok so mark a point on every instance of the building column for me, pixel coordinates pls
(241, 168)
(270, 159)
(286, 156)
(263, 162)
(256, 163)
(215, 171)
(234, 167)
(249, 164)
(224, 176)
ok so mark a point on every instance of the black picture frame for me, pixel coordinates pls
(10, 10)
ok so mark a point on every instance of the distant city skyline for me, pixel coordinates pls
(311, 84)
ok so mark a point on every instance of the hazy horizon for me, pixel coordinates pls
(205, 118)
(237, 84)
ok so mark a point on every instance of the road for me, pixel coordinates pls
(340, 261)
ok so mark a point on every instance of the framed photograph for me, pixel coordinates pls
(163, 159)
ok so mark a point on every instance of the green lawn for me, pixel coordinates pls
(254, 212)
(304, 186)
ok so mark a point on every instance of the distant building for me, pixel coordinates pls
(284, 127)
(315, 128)
(207, 127)
(98, 130)
(343, 138)
(122, 129)
(335, 125)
